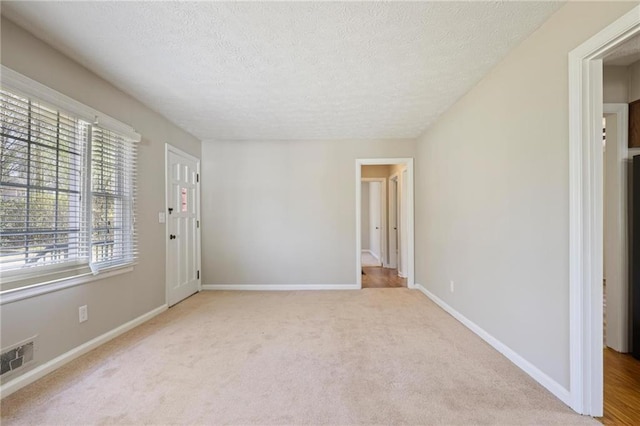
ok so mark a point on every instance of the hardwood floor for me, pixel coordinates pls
(378, 277)
(621, 389)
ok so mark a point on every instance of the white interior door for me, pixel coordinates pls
(183, 225)
(393, 222)
(403, 246)
(375, 221)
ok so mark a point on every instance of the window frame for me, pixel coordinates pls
(31, 282)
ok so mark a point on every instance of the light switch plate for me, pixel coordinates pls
(161, 217)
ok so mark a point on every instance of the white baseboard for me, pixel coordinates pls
(551, 385)
(32, 375)
(272, 287)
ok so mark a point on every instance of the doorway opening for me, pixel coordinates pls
(621, 392)
(384, 223)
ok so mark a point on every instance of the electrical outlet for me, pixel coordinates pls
(83, 314)
(451, 286)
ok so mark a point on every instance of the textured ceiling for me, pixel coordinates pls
(625, 54)
(298, 70)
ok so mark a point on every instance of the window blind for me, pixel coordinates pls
(113, 182)
(67, 187)
(42, 154)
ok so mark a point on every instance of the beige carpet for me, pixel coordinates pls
(375, 356)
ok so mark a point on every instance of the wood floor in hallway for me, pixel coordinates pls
(621, 389)
(378, 277)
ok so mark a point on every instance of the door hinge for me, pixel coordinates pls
(197, 224)
(198, 274)
(197, 177)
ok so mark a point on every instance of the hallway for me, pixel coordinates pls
(378, 277)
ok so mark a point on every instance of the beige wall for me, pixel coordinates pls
(283, 212)
(621, 84)
(378, 171)
(493, 194)
(634, 81)
(115, 301)
(615, 84)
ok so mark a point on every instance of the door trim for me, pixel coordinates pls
(383, 218)
(167, 149)
(585, 212)
(408, 162)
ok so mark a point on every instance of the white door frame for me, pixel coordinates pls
(585, 212)
(167, 149)
(408, 162)
(383, 217)
(617, 337)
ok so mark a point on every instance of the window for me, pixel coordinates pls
(41, 156)
(66, 191)
(112, 184)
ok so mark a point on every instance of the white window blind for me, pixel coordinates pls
(41, 161)
(67, 187)
(113, 237)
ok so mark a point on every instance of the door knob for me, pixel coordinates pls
(172, 237)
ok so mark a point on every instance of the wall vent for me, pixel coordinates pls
(17, 356)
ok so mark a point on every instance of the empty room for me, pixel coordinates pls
(319, 212)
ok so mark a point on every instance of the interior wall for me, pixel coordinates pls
(375, 171)
(364, 218)
(283, 212)
(634, 81)
(111, 302)
(493, 194)
(615, 84)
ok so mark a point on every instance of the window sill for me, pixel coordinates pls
(14, 295)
